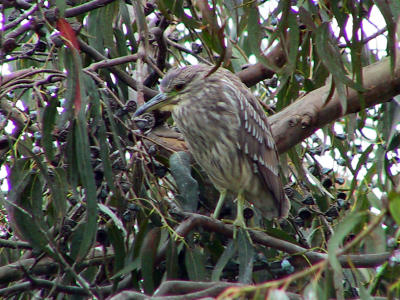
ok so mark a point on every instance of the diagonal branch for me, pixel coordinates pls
(194, 220)
(312, 112)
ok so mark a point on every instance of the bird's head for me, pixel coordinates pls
(175, 88)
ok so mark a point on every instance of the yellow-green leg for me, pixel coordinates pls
(222, 194)
(239, 222)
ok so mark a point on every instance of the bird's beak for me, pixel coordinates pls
(152, 104)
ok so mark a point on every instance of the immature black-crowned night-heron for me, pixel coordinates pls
(227, 133)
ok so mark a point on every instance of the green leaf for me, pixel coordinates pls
(294, 40)
(61, 6)
(93, 94)
(387, 14)
(188, 187)
(171, 261)
(331, 58)
(117, 237)
(86, 175)
(114, 130)
(361, 163)
(148, 254)
(58, 186)
(364, 294)
(306, 18)
(255, 34)
(133, 256)
(24, 205)
(195, 264)
(229, 252)
(108, 17)
(68, 104)
(49, 117)
(95, 23)
(246, 256)
(126, 20)
(342, 230)
(172, 7)
(394, 206)
(131, 266)
(391, 119)
(77, 238)
(117, 222)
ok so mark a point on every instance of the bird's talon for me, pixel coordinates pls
(245, 233)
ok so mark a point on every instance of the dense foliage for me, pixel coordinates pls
(95, 202)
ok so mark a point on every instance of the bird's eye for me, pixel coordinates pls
(179, 87)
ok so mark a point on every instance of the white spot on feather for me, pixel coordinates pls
(255, 168)
(241, 104)
(249, 129)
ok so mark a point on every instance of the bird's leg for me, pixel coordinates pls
(239, 222)
(222, 194)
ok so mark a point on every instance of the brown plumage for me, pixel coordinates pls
(227, 133)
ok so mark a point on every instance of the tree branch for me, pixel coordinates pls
(123, 76)
(194, 220)
(259, 72)
(312, 112)
(86, 7)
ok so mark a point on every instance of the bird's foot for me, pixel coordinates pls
(238, 224)
(240, 228)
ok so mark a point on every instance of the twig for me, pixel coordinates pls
(22, 17)
(14, 244)
(161, 57)
(181, 48)
(123, 76)
(112, 62)
(86, 7)
(367, 39)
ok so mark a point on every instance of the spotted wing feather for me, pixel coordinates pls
(259, 146)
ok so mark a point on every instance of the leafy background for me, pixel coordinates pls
(94, 202)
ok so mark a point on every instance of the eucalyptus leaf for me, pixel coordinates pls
(188, 187)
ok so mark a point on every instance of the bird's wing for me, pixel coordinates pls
(257, 142)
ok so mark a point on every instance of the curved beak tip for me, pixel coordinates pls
(150, 105)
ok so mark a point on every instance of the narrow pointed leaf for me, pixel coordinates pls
(194, 261)
(246, 257)
(229, 252)
(148, 254)
(187, 185)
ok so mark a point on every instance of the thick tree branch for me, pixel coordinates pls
(259, 72)
(312, 112)
(17, 270)
(196, 220)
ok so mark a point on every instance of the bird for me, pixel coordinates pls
(228, 134)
